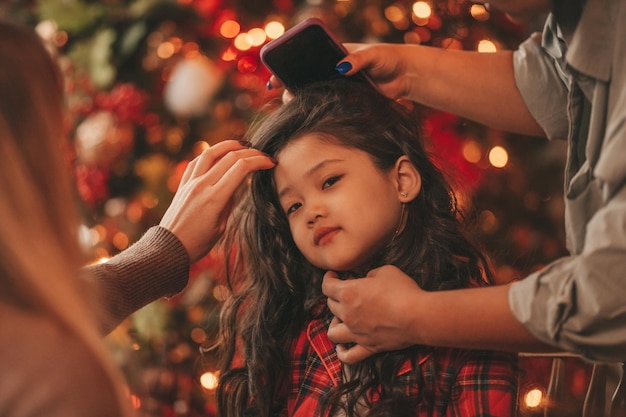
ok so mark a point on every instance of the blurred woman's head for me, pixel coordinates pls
(40, 255)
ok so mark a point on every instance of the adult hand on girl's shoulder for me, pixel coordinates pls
(203, 202)
(375, 312)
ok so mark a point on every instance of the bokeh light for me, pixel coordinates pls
(498, 157)
(533, 398)
(274, 29)
(471, 151)
(479, 12)
(242, 42)
(256, 36)
(486, 46)
(422, 9)
(209, 380)
(230, 28)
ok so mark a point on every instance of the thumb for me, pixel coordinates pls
(361, 57)
(329, 283)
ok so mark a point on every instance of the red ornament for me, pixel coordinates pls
(91, 183)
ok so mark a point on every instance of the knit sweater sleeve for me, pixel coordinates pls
(155, 266)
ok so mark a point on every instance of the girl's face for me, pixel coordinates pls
(342, 209)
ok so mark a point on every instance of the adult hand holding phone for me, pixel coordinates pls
(304, 54)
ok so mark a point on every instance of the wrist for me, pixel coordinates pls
(418, 72)
(414, 315)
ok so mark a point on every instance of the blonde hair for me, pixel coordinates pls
(40, 256)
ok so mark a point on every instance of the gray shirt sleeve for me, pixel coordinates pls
(578, 303)
(542, 87)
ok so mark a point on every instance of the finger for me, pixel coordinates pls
(353, 47)
(330, 282)
(236, 173)
(246, 160)
(210, 156)
(338, 332)
(287, 96)
(189, 170)
(358, 57)
(274, 83)
(372, 273)
(353, 354)
(191, 166)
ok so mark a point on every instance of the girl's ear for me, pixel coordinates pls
(409, 180)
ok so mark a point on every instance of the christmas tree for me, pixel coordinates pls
(151, 83)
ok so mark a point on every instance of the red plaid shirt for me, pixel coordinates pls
(466, 383)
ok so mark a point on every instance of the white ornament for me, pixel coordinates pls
(191, 87)
(101, 139)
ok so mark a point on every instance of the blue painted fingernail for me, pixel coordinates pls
(343, 67)
(268, 85)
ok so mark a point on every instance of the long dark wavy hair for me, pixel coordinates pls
(274, 288)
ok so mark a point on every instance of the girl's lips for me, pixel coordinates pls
(324, 234)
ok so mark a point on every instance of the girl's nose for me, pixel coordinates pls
(314, 214)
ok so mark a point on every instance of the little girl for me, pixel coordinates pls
(353, 190)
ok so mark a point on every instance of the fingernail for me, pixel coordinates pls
(245, 143)
(268, 85)
(343, 68)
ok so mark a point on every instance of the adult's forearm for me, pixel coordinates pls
(477, 86)
(476, 318)
(155, 266)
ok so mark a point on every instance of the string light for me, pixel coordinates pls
(200, 146)
(242, 42)
(274, 29)
(165, 50)
(394, 14)
(120, 240)
(256, 36)
(209, 380)
(198, 335)
(486, 46)
(422, 9)
(220, 292)
(229, 55)
(471, 151)
(488, 221)
(533, 398)
(479, 12)
(498, 157)
(230, 28)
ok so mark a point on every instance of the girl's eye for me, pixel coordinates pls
(293, 208)
(330, 181)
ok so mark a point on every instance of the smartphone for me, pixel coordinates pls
(306, 53)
